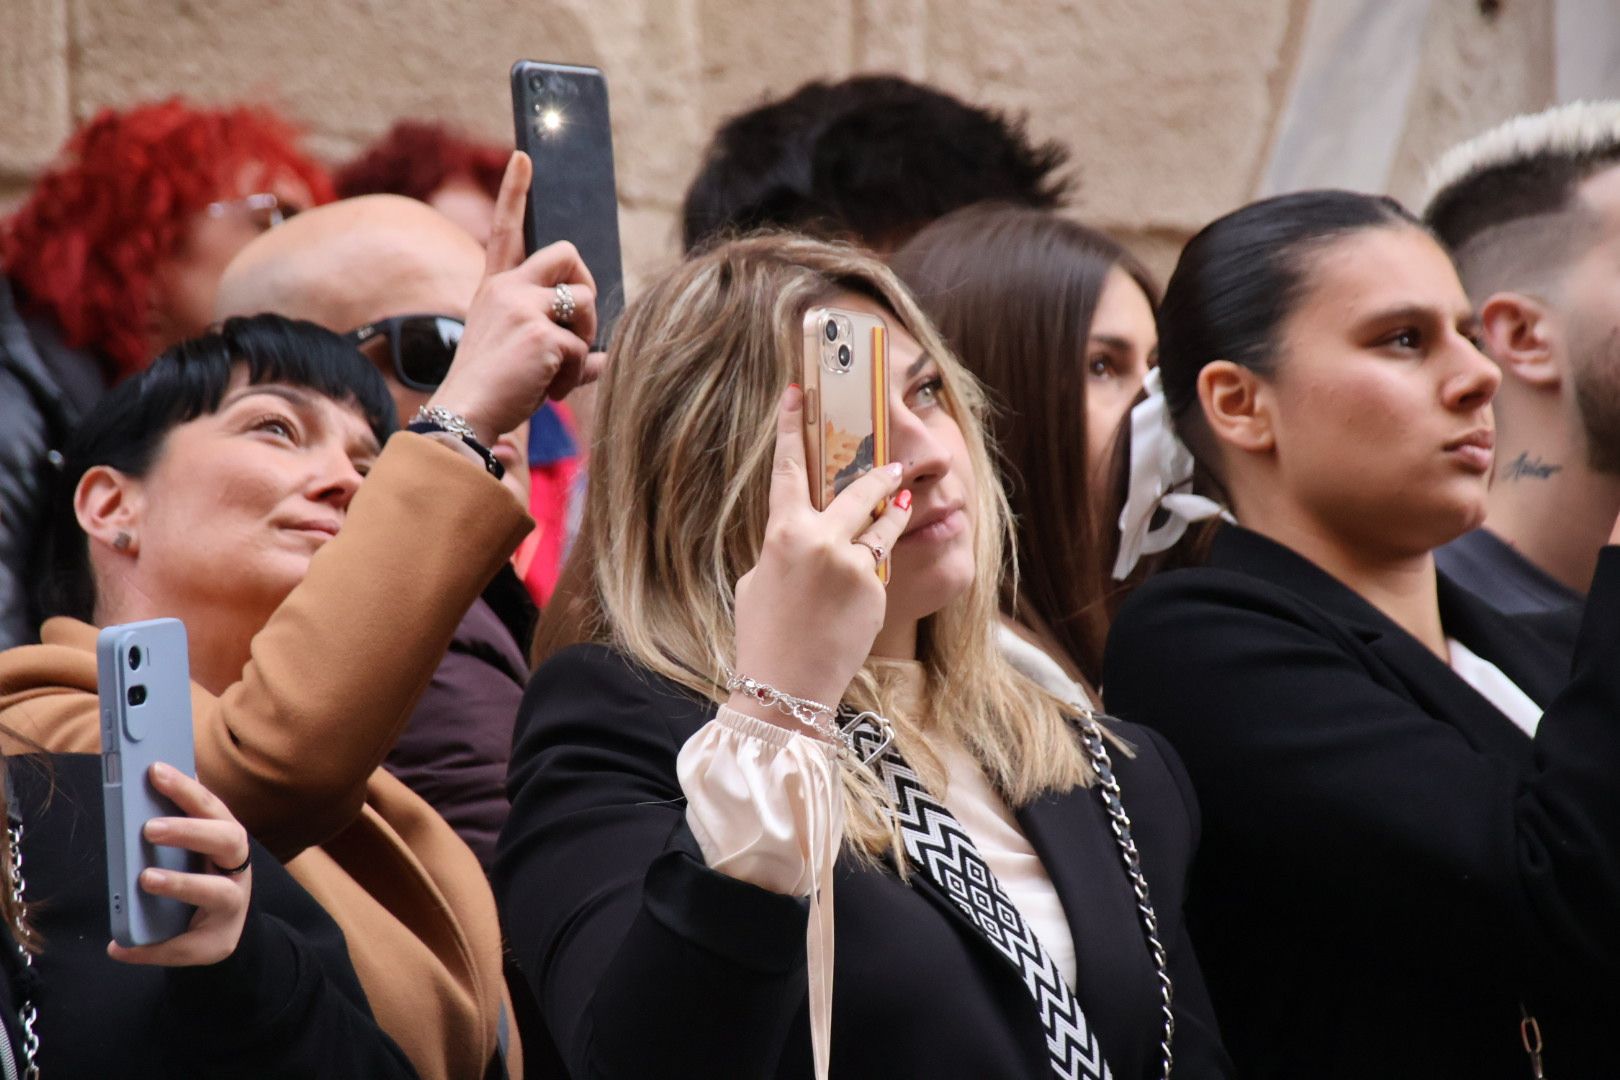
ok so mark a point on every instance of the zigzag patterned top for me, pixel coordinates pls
(942, 849)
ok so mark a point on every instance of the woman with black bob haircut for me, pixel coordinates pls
(260, 983)
(1411, 852)
(251, 484)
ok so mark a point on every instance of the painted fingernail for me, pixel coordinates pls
(903, 500)
(895, 469)
(793, 386)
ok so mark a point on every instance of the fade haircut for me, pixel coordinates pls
(1506, 201)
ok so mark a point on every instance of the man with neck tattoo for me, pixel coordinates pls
(1531, 212)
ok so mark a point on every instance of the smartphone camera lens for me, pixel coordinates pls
(832, 330)
(844, 356)
(137, 695)
(134, 657)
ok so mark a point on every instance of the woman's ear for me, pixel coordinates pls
(1518, 335)
(109, 506)
(1237, 406)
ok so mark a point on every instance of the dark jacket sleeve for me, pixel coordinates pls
(285, 1004)
(454, 751)
(1197, 1043)
(644, 962)
(1315, 766)
(22, 501)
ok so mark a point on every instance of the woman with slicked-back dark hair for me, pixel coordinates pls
(1411, 851)
(1056, 320)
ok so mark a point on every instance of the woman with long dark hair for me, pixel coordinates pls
(1411, 852)
(1056, 320)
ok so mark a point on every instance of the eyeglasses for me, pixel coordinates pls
(263, 209)
(420, 347)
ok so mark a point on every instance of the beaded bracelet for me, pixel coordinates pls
(803, 710)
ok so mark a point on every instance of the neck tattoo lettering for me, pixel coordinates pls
(1525, 467)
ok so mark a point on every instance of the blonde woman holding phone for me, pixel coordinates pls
(714, 862)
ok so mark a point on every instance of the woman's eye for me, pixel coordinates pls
(1100, 366)
(274, 425)
(928, 393)
(1406, 339)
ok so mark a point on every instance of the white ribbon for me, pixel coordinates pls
(1161, 479)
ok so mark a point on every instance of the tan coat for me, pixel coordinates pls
(294, 747)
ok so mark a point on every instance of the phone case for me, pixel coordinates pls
(846, 401)
(143, 674)
(562, 121)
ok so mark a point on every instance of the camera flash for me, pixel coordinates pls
(551, 120)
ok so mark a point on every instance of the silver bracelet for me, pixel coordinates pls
(803, 710)
(449, 421)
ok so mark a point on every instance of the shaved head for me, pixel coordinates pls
(351, 262)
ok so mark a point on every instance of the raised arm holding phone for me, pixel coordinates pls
(223, 487)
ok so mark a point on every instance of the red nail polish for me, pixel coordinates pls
(903, 500)
(793, 386)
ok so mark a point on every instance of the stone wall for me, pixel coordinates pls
(1170, 105)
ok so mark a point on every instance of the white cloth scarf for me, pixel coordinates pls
(1161, 479)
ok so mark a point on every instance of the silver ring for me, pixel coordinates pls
(562, 304)
(877, 550)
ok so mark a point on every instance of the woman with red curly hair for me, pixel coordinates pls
(114, 256)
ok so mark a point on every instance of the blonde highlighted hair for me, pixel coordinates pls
(677, 505)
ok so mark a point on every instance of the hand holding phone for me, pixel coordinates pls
(562, 121)
(219, 895)
(512, 354)
(811, 607)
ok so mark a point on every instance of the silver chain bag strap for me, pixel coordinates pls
(942, 849)
(27, 1014)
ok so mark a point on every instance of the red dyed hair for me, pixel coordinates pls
(118, 201)
(416, 159)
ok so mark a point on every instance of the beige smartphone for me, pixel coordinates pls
(846, 401)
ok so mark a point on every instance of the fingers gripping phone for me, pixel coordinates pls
(143, 674)
(846, 401)
(562, 120)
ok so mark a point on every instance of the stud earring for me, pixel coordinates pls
(122, 541)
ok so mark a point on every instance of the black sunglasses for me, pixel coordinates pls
(420, 346)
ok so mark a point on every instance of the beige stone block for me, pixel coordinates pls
(1477, 69)
(1167, 105)
(33, 83)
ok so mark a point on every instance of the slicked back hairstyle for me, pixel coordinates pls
(1505, 202)
(872, 159)
(1238, 281)
(129, 425)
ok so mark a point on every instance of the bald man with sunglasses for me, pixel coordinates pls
(399, 278)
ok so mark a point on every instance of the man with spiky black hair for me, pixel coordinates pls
(1531, 212)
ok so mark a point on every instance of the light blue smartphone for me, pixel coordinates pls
(144, 678)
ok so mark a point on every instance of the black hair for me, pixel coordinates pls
(873, 158)
(127, 428)
(1239, 279)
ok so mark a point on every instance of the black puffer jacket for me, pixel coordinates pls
(44, 388)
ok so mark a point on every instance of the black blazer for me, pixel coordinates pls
(645, 963)
(1389, 865)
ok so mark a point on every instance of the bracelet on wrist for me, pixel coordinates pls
(809, 713)
(433, 418)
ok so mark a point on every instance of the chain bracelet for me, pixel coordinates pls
(803, 710)
(27, 1014)
(1103, 766)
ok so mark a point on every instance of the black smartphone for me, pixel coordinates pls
(562, 120)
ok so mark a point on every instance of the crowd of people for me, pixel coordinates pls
(1240, 699)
